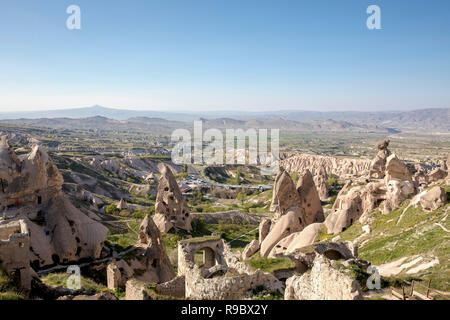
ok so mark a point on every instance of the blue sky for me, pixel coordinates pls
(196, 55)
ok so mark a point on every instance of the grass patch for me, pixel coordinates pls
(8, 290)
(270, 264)
(59, 279)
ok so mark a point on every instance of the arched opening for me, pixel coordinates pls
(205, 258)
(55, 258)
(39, 200)
(333, 255)
(4, 185)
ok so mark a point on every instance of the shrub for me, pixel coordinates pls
(112, 209)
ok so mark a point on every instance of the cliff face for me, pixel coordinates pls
(342, 167)
(31, 190)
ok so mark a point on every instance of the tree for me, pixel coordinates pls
(112, 209)
(238, 176)
(331, 182)
(241, 197)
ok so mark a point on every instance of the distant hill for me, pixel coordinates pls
(424, 120)
(158, 125)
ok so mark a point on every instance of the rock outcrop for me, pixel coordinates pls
(264, 228)
(320, 180)
(378, 164)
(325, 282)
(285, 194)
(171, 209)
(250, 249)
(309, 199)
(148, 262)
(304, 238)
(397, 192)
(436, 175)
(295, 208)
(31, 190)
(348, 209)
(341, 167)
(396, 169)
(433, 199)
(293, 221)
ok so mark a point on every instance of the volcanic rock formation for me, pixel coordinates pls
(295, 208)
(325, 282)
(171, 208)
(341, 167)
(310, 201)
(31, 190)
(148, 261)
(378, 164)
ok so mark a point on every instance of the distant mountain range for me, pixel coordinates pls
(97, 117)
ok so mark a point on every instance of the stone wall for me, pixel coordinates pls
(236, 280)
(15, 252)
(213, 253)
(173, 288)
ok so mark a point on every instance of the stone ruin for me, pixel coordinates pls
(15, 253)
(31, 191)
(171, 209)
(221, 276)
(218, 276)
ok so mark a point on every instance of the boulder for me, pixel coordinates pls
(396, 169)
(397, 192)
(326, 281)
(433, 199)
(171, 208)
(436, 175)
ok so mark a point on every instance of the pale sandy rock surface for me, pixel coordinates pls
(324, 282)
(171, 208)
